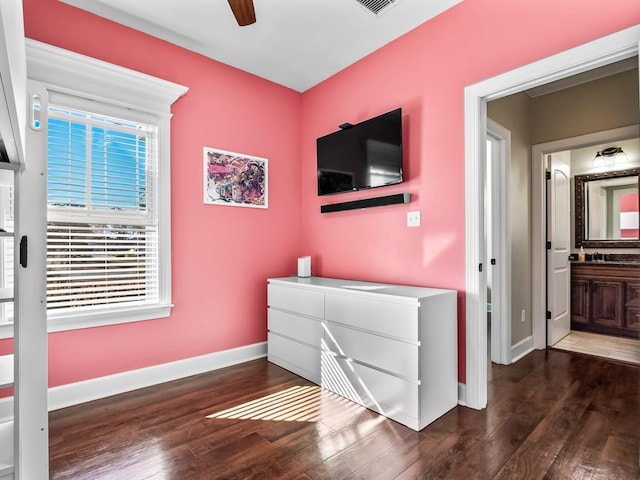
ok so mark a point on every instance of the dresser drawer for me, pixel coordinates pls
(294, 326)
(383, 317)
(297, 300)
(376, 390)
(296, 357)
(391, 355)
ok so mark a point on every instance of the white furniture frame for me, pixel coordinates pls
(390, 348)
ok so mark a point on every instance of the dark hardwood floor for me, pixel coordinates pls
(551, 415)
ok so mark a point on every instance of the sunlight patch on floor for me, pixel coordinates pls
(308, 403)
(295, 404)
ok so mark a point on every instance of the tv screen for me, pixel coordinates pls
(365, 155)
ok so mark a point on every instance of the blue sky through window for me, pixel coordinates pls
(95, 162)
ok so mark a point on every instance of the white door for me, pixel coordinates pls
(30, 459)
(558, 233)
(30, 329)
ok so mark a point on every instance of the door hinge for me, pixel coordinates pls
(548, 245)
(493, 261)
(480, 268)
(548, 314)
(547, 175)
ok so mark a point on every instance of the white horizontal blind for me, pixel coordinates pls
(102, 233)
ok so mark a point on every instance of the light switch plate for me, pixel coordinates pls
(413, 219)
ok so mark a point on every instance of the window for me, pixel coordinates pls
(102, 222)
(102, 133)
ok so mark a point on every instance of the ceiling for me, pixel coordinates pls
(295, 43)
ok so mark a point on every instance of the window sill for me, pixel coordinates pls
(113, 316)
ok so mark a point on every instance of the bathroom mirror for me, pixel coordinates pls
(607, 209)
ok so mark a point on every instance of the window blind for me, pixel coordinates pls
(102, 229)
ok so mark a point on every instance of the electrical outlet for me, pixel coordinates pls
(523, 316)
(413, 219)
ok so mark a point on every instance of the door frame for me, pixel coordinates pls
(501, 239)
(539, 214)
(612, 48)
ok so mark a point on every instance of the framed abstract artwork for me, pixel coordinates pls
(234, 179)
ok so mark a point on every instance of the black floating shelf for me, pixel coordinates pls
(367, 203)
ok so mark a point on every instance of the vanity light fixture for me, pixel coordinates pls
(598, 161)
(610, 156)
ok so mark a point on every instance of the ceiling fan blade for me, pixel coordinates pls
(243, 11)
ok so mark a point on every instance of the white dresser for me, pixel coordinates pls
(390, 348)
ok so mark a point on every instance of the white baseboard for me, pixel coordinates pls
(522, 348)
(462, 394)
(88, 390)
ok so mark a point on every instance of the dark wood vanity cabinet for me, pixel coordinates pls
(632, 306)
(579, 301)
(605, 298)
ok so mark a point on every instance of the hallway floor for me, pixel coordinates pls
(606, 346)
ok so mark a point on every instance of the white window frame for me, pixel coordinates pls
(67, 72)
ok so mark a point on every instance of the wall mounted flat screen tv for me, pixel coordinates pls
(365, 155)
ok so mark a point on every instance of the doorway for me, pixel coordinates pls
(610, 49)
(540, 153)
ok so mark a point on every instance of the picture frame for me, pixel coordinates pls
(234, 179)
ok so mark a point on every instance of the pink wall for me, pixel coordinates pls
(425, 73)
(222, 255)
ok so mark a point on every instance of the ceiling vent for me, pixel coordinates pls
(376, 6)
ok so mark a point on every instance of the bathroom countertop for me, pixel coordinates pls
(607, 263)
(612, 259)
